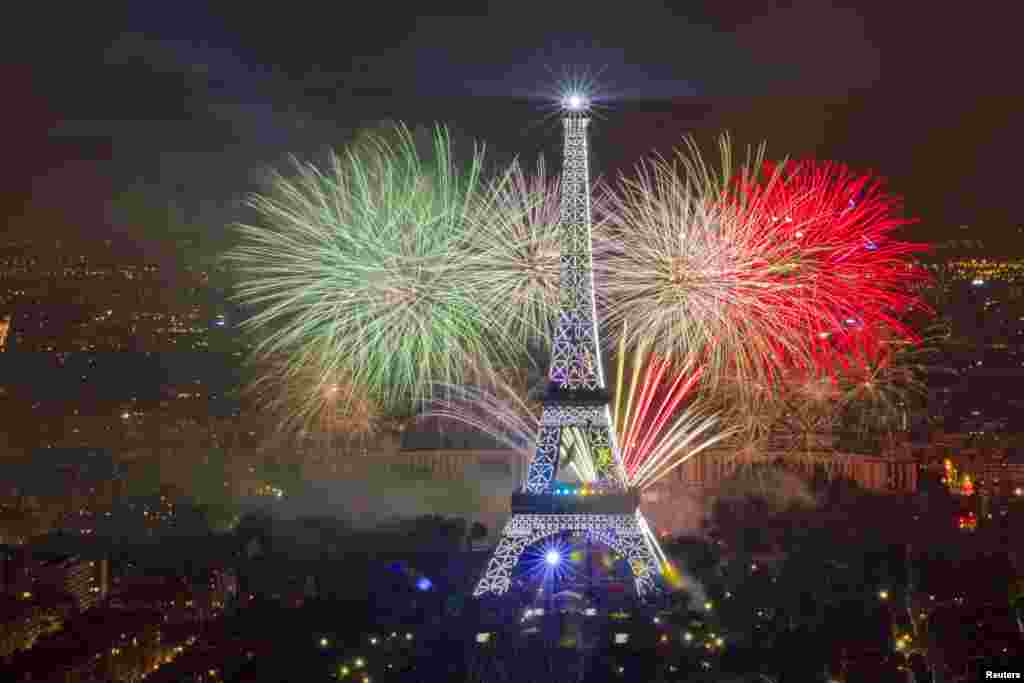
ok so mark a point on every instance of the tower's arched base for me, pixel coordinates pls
(626, 534)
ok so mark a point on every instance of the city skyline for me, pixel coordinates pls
(176, 507)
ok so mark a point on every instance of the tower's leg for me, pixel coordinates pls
(497, 578)
(595, 421)
(544, 463)
(624, 534)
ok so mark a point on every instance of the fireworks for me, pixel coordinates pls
(660, 423)
(750, 273)
(811, 418)
(515, 249)
(880, 385)
(854, 277)
(389, 274)
(305, 400)
(362, 268)
(694, 278)
(502, 411)
(793, 421)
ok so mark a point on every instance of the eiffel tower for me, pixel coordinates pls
(576, 419)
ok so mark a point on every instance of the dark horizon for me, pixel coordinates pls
(953, 166)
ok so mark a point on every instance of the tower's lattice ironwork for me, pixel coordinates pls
(576, 400)
(576, 359)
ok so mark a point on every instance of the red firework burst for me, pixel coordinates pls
(853, 279)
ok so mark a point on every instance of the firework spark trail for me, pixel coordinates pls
(368, 267)
(879, 382)
(658, 436)
(499, 411)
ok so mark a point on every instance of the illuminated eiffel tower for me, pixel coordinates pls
(576, 419)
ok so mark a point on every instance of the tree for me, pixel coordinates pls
(145, 478)
(285, 476)
(210, 491)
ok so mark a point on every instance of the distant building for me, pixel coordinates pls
(179, 600)
(101, 645)
(1003, 477)
(68, 301)
(5, 328)
(979, 271)
(24, 620)
(15, 571)
(874, 473)
(87, 581)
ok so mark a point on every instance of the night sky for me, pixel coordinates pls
(148, 121)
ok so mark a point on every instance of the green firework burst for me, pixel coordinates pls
(362, 268)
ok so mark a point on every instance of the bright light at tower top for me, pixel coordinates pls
(575, 90)
(575, 102)
(553, 557)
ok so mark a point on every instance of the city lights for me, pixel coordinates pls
(724, 292)
(968, 522)
(576, 491)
